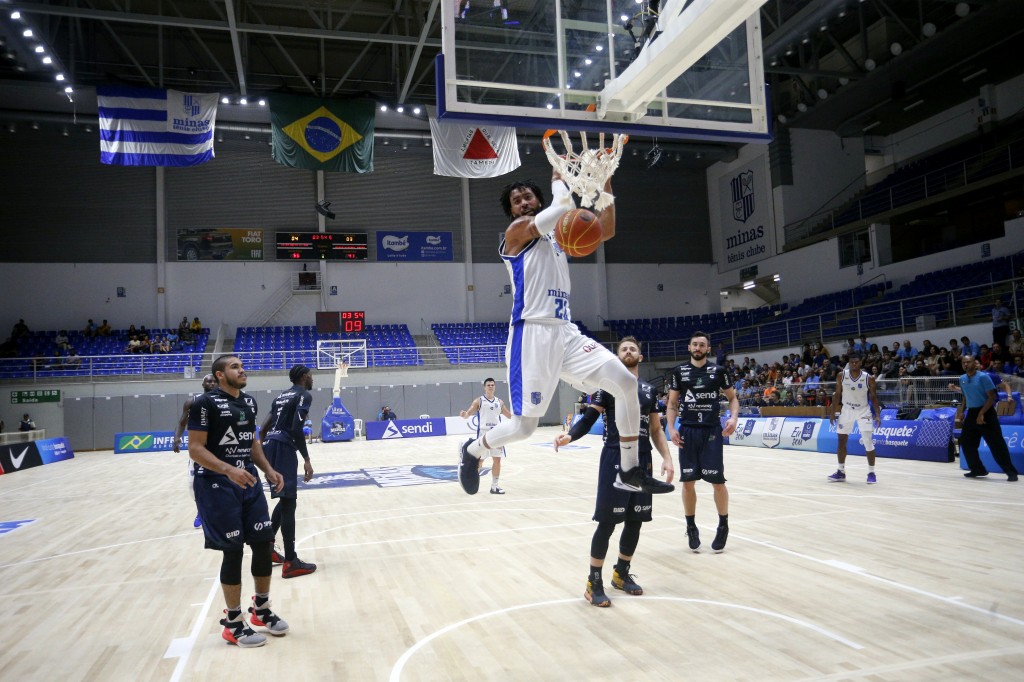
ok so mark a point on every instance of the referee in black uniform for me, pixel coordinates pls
(282, 437)
(222, 443)
(695, 388)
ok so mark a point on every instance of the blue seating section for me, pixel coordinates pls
(671, 335)
(278, 348)
(39, 356)
(467, 343)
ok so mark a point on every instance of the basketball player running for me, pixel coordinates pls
(282, 438)
(222, 442)
(615, 506)
(853, 403)
(209, 383)
(490, 409)
(698, 386)
(543, 343)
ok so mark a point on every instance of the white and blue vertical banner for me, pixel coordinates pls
(155, 127)
(747, 216)
(415, 246)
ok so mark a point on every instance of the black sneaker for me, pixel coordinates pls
(718, 544)
(625, 583)
(595, 594)
(975, 474)
(693, 535)
(636, 480)
(469, 466)
(1011, 478)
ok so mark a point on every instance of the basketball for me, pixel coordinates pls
(578, 232)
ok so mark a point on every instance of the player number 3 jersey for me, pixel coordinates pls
(699, 393)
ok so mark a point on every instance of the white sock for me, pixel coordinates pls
(476, 447)
(494, 483)
(842, 467)
(628, 457)
(871, 470)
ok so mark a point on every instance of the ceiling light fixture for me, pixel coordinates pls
(979, 72)
(870, 126)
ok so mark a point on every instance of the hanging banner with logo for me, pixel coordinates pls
(21, 456)
(747, 216)
(229, 243)
(147, 441)
(415, 246)
(320, 134)
(468, 151)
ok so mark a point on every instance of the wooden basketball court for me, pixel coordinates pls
(915, 578)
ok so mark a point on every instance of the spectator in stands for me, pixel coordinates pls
(61, 340)
(26, 423)
(907, 352)
(134, 346)
(862, 345)
(820, 355)
(949, 363)
(20, 329)
(196, 326)
(132, 331)
(386, 414)
(873, 356)
(1000, 322)
(1016, 366)
(999, 352)
(161, 345)
(104, 329)
(1016, 346)
(808, 355)
(920, 370)
(980, 421)
(931, 360)
(895, 349)
(90, 329)
(984, 356)
(907, 388)
(926, 347)
(183, 325)
(968, 347)
(73, 360)
(828, 370)
(851, 345)
(954, 347)
(890, 366)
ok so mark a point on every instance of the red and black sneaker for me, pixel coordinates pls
(293, 569)
(276, 558)
(237, 631)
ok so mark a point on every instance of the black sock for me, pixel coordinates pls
(723, 520)
(234, 613)
(595, 574)
(261, 600)
(622, 567)
(690, 522)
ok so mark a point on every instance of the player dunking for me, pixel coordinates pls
(695, 387)
(222, 442)
(613, 505)
(543, 343)
(209, 383)
(282, 438)
(491, 409)
(853, 402)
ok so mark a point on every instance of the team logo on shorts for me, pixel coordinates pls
(535, 398)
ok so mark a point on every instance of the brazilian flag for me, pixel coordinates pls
(319, 134)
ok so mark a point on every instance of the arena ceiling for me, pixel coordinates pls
(854, 67)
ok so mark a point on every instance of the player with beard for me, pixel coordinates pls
(209, 383)
(695, 388)
(615, 506)
(223, 445)
(543, 343)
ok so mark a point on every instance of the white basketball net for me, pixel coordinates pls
(586, 172)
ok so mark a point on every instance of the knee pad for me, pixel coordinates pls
(630, 537)
(231, 568)
(261, 564)
(599, 543)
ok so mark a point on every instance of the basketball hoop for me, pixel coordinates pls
(587, 171)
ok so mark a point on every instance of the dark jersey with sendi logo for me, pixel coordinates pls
(230, 425)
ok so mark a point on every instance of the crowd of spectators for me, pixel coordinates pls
(807, 379)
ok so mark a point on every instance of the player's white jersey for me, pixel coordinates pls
(540, 272)
(855, 392)
(490, 414)
(540, 281)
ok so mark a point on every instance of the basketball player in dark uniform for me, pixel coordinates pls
(223, 445)
(614, 505)
(209, 383)
(282, 437)
(695, 387)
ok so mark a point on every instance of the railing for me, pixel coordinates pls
(926, 186)
(22, 436)
(936, 391)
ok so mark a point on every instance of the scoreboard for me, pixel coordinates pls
(321, 246)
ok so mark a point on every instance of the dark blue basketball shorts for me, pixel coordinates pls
(701, 454)
(232, 516)
(284, 460)
(614, 504)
